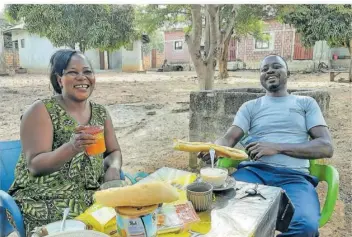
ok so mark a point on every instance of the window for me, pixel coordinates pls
(15, 44)
(129, 47)
(178, 45)
(8, 41)
(22, 43)
(262, 44)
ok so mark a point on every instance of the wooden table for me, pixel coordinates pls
(232, 216)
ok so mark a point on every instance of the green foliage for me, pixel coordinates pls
(156, 42)
(247, 21)
(332, 23)
(152, 17)
(106, 27)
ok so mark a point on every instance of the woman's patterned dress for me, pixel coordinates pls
(42, 199)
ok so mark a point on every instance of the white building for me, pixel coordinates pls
(35, 52)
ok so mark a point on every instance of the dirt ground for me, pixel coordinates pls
(151, 109)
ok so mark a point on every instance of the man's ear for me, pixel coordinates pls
(288, 73)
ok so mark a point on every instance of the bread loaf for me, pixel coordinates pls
(221, 151)
(136, 211)
(137, 195)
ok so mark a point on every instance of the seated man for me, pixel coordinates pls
(279, 126)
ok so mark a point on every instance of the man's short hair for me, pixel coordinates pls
(276, 55)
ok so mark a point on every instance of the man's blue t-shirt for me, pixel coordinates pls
(284, 119)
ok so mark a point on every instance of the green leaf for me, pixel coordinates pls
(332, 23)
(91, 26)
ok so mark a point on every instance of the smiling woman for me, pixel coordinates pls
(54, 170)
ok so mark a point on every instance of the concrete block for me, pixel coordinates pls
(301, 65)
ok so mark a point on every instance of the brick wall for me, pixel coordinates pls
(147, 60)
(282, 43)
(174, 35)
(11, 59)
(172, 55)
(159, 59)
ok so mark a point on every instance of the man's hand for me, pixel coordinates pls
(258, 149)
(112, 173)
(205, 157)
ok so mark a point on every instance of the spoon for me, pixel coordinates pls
(66, 211)
(212, 156)
(252, 191)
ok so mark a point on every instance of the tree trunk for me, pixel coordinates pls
(223, 42)
(205, 73)
(223, 59)
(204, 66)
(350, 71)
(82, 47)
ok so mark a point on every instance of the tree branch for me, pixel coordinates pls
(193, 41)
(213, 11)
(231, 24)
(207, 34)
(196, 34)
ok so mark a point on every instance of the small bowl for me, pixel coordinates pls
(70, 225)
(214, 176)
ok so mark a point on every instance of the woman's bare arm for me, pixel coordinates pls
(37, 140)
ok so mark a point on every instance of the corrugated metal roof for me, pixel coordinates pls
(16, 27)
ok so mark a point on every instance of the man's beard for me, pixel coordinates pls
(274, 88)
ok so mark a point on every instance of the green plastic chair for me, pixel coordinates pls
(323, 172)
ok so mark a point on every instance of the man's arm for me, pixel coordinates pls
(234, 134)
(319, 147)
(231, 137)
(240, 126)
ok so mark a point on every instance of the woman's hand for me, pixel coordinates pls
(112, 173)
(80, 140)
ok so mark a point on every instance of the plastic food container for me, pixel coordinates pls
(141, 226)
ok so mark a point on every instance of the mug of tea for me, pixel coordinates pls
(200, 195)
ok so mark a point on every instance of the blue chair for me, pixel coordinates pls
(9, 154)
